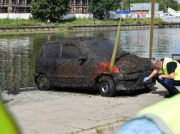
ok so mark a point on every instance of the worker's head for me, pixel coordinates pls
(156, 64)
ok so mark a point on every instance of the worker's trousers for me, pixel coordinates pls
(169, 84)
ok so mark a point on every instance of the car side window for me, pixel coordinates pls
(52, 51)
(71, 51)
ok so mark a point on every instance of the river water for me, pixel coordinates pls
(18, 53)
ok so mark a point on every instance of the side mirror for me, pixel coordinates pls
(82, 58)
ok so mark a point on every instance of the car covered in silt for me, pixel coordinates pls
(84, 62)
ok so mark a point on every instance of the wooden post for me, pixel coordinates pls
(152, 29)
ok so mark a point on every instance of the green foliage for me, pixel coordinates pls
(69, 27)
(16, 30)
(127, 21)
(49, 9)
(67, 24)
(99, 131)
(62, 29)
(20, 22)
(99, 8)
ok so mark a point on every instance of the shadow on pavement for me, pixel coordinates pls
(6, 100)
(96, 92)
(161, 93)
(90, 91)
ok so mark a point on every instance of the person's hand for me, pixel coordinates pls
(160, 77)
(145, 79)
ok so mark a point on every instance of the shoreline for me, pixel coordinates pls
(19, 30)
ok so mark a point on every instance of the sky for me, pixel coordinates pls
(178, 1)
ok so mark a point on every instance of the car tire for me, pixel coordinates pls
(106, 86)
(43, 82)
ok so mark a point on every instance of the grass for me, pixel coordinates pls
(99, 131)
(115, 22)
(69, 22)
(20, 22)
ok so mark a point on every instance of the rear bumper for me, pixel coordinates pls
(133, 81)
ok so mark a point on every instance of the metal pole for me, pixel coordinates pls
(152, 29)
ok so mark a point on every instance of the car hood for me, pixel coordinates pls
(130, 64)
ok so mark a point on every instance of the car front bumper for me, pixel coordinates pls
(133, 81)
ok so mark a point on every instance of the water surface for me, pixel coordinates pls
(18, 53)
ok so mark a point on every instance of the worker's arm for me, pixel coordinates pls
(168, 76)
(154, 72)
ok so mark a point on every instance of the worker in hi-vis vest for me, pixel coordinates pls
(170, 76)
(7, 124)
(160, 118)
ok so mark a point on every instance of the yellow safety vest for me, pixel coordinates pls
(177, 70)
(7, 124)
(165, 114)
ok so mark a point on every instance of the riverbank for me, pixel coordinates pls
(20, 26)
(21, 22)
(16, 30)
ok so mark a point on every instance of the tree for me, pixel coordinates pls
(49, 9)
(99, 8)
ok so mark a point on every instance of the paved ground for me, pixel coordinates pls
(60, 112)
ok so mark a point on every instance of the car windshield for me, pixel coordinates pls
(104, 48)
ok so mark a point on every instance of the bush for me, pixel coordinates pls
(69, 27)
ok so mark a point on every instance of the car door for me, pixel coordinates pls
(72, 70)
(48, 65)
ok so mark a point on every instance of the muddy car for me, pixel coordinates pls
(85, 62)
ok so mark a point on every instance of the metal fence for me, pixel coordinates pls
(174, 19)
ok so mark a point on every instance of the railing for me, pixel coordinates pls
(15, 4)
(28, 28)
(78, 5)
(82, 27)
(75, 27)
(174, 56)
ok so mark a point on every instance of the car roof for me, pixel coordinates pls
(94, 47)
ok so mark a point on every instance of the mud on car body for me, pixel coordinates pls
(84, 63)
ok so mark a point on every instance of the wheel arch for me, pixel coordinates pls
(100, 75)
(37, 75)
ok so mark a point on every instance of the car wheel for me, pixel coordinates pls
(106, 86)
(43, 82)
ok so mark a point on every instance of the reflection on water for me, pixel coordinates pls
(17, 61)
(14, 57)
(18, 53)
(137, 42)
